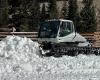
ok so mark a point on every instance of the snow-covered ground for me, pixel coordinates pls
(20, 60)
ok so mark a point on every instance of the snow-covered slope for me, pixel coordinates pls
(20, 60)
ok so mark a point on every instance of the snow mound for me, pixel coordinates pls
(16, 53)
(17, 46)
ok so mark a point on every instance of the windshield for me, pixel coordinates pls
(49, 29)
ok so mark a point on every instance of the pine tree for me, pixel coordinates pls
(35, 16)
(43, 13)
(73, 13)
(13, 11)
(3, 13)
(64, 11)
(53, 12)
(88, 22)
(73, 9)
(26, 16)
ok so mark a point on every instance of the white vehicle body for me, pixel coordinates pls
(70, 37)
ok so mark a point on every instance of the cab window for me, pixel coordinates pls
(65, 29)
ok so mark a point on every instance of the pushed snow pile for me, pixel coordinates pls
(16, 54)
(19, 60)
(20, 48)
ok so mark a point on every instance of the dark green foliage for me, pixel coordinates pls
(53, 12)
(3, 13)
(43, 13)
(73, 10)
(73, 13)
(13, 11)
(28, 12)
(87, 2)
(64, 11)
(88, 20)
(34, 17)
(14, 3)
(3, 17)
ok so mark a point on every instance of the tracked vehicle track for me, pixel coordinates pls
(73, 51)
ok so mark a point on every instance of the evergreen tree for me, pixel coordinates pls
(35, 16)
(13, 11)
(43, 13)
(88, 22)
(73, 13)
(3, 17)
(73, 9)
(26, 16)
(64, 11)
(53, 12)
(14, 3)
(3, 13)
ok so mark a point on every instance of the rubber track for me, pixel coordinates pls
(74, 51)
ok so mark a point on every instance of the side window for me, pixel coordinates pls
(65, 29)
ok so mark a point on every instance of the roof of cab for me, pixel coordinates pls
(60, 20)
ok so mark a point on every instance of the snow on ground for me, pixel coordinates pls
(20, 60)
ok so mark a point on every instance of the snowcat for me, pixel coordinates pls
(58, 37)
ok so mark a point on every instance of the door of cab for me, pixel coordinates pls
(66, 32)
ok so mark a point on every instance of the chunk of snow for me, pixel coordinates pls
(27, 67)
